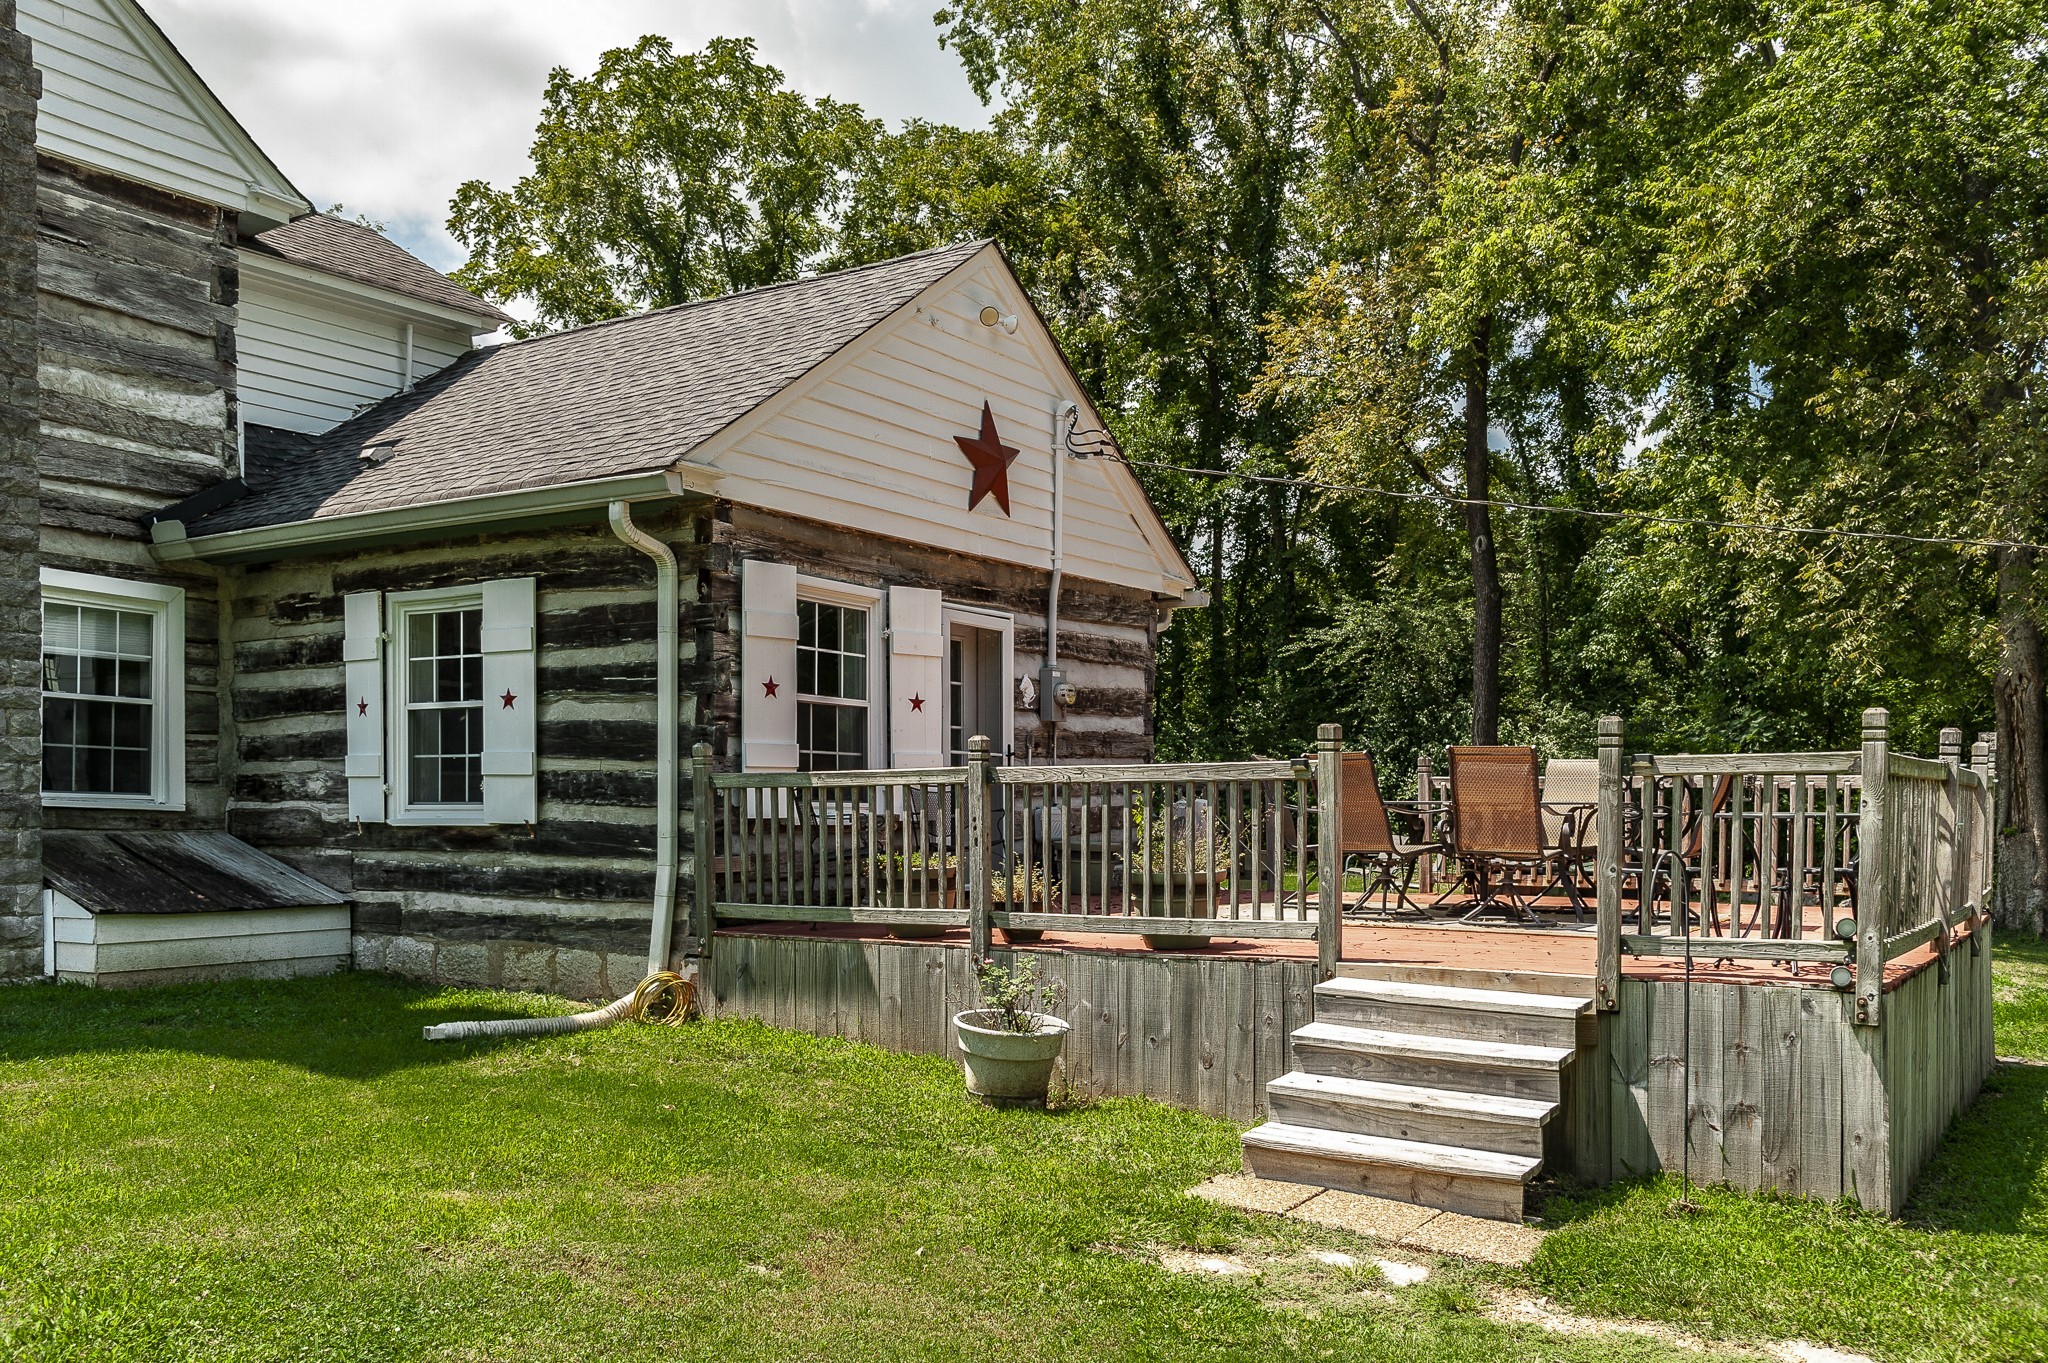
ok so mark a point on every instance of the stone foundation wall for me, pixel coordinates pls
(21, 853)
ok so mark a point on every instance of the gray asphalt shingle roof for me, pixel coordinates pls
(337, 246)
(627, 396)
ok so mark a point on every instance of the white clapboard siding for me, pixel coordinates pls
(110, 947)
(511, 702)
(917, 678)
(867, 444)
(767, 656)
(118, 97)
(306, 366)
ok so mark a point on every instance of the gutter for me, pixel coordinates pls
(666, 604)
(490, 512)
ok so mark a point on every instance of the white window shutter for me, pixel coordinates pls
(767, 666)
(510, 702)
(917, 678)
(362, 669)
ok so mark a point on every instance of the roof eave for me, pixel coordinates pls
(495, 511)
(291, 274)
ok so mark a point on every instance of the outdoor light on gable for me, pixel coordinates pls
(993, 316)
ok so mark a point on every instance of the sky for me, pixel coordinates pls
(385, 106)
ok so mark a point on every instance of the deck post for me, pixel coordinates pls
(1962, 828)
(1984, 832)
(1607, 868)
(700, 844)
(1870, 868)
(1329, 848)
(980, 869)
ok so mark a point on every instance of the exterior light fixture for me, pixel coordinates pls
(993, 316)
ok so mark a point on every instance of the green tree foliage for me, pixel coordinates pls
(659, 178)
(1778, 265)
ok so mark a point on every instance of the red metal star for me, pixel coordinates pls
(363, 705)
(770, 687)
(917, 703)
(991, 459)
(508, 698)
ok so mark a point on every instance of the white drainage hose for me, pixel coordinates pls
(663, 997)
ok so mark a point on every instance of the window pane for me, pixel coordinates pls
(856, 632)
(806, 672)
(806, 624)
(94, 744)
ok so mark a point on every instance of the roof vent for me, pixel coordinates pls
(377, 453)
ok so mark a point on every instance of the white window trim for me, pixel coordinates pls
(1005, 624)
(825, 592)
(166, 606)
(397, 606)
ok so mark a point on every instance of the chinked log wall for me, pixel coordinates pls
(21, 875)
(563, 909)
(1107, 634)
(1206, 1033)
(136, 299)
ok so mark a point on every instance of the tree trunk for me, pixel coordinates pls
(1479, 534)
(2020, 890)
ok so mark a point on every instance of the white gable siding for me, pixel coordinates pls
(307, 365)
(868, 444)
(117, 98)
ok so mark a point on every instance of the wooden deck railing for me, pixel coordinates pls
(1841, 859)
(1230, 849)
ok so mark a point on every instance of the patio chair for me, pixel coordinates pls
(1368, 835)
(1497, 825)
(1571, 799)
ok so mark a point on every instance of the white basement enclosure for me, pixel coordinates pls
(159, 908)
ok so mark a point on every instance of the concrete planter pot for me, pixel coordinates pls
(1009, 1069)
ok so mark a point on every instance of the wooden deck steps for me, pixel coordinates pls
(1422, 1092)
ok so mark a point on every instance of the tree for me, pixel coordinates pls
(1442, 233)
(1178, 134)
(1853, 269)
(660, 178)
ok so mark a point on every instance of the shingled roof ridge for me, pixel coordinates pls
(967, 248)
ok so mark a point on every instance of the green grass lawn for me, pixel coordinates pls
(270, 1171)
(285, 1171)
(1962, 1275)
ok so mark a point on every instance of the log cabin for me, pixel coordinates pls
(363, 642)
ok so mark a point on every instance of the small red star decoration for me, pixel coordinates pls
(363, 705)
(991, 459)
(508, 698)
(917, 703)
(770, 687)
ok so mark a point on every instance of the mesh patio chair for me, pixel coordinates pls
(1571, 799)
(1368, 836)
(1497, 825)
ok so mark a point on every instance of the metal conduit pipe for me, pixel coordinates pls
(666, 604)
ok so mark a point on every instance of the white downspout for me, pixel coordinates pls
(665, 670)
(405, 385)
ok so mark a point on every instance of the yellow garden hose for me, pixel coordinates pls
(663, 997)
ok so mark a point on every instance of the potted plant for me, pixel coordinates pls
(1026, 889)
(1186, 874)
(918, 880)
(1010, 1043)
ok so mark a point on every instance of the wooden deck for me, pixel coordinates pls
(1563, 952)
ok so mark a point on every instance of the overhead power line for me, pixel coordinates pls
(1101, 450)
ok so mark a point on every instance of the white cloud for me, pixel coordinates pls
(387, 105)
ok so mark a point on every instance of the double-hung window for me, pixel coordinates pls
(113, 692)
(439, 686)
(832, 669)
(441, 701)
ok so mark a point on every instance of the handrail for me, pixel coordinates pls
(1841, 859)
(1179, 851)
